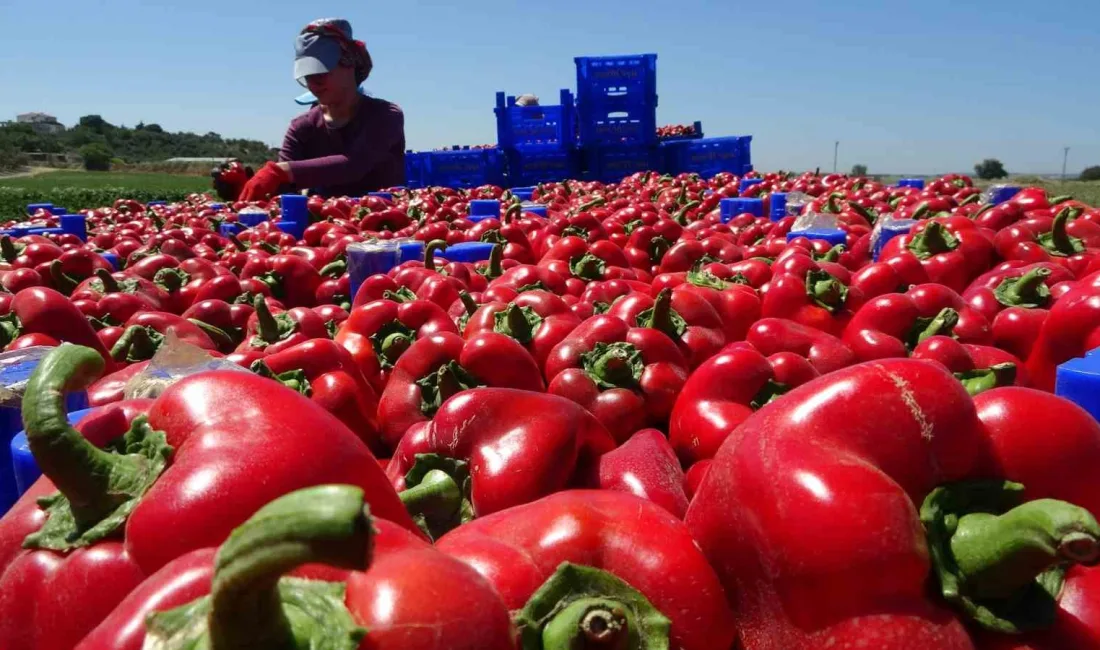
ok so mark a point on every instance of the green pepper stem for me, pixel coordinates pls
(1060, 240)
(933, 240)
(8, 250)
(1030, 289)
(138, 342)
(614, 365)
(61, 280)
(80, 470)
(662, 316)
(266, 325)
(494, 269)
(334, 269)
(998, 555)
(517, 322)
(328, 524)
(437, 498)
(589, 624)
(941, 325)
(433, 247)
(468, 302)
(110, 285)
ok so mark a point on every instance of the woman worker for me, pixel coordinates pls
(347, 144)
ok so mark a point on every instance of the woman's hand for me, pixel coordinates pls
(266, 182)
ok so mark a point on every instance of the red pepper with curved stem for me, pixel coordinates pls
(232, 290)
(104, 283)
(230, 319)
(819, 300)
(1054, 240)
(527, 277)
(952, 250)
(725, 391)
(45, 312)
(388, 220)
(685, 316)
(271, 333)
(20, 279)
(28, 252)
(648, 245)
(825, 352)
(977, 369)
(601, 295)
(583, 555)
(686, 254)
(539, 320)
(333, 316)
(367, 579)
(438, 366)
(971, 327)
(378, 333)
(628, 377)
(414, 273)
(893, 275)
(490, 449)
(892, 325)
(113, 309)
(161, 496)
(645, 466)
(1024, 286)
(800, 261)
(327, 374)
(756, 270)
(916, 460)
(1036, 198)
(183, 283)
(142, 335)
(291, 279)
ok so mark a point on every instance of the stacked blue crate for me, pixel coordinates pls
(617, 115)
(539, 142)
(462, 167)
(415, 172)
(709, 156)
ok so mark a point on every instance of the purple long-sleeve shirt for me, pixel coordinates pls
(365, 155)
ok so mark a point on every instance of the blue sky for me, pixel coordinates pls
(915, 87)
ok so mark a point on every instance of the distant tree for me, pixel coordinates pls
(990, 169)
(859, 170)
(154, 128)
(11, 158)
(97, 157)
(95, 123)
(1091, 173)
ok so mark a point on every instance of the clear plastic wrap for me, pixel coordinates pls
(814, 221)
(16, 367)
(174, 360)
(796, 202)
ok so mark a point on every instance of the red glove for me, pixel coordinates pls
(265, 183)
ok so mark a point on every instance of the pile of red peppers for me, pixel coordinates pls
(635, 426)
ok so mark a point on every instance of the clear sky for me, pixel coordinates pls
(916, 87)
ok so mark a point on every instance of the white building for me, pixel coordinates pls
(41, 122)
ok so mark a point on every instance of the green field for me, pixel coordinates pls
(168, 183)
(1086, 191)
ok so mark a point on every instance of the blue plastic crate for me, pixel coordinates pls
(531, 167)
(415, 170)
(465, 168)
(631, 77)
(708, 156)
(536, 127)
(617, 123)
(613, 163)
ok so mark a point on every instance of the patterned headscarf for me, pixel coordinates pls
(353, 53)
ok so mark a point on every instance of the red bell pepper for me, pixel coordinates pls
(892, 325)
(604, 293)
(645, 466)
(528, 277)
(896, 445)
(232, 319)
(580, 262)
(648, 245)
(687, 254)
(825, 352)
(378, 333)
(725, 391)
(271, 333)
(979, 368)
(441, 365)
(292, 280)
(628, 377)
(1016, 329)
(327, 374)
(206, 487)
(537, 319)
(1062, 240)
(1027, 286)
(952, 250)
(232, 290)
(587, 569)
(366, 583)
(141, 336)
(1070, 329)
(684, 315)
(46, 317)
(972, 326)
(893, 275)
(819, 300)
(103, 283)
(491, 449)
